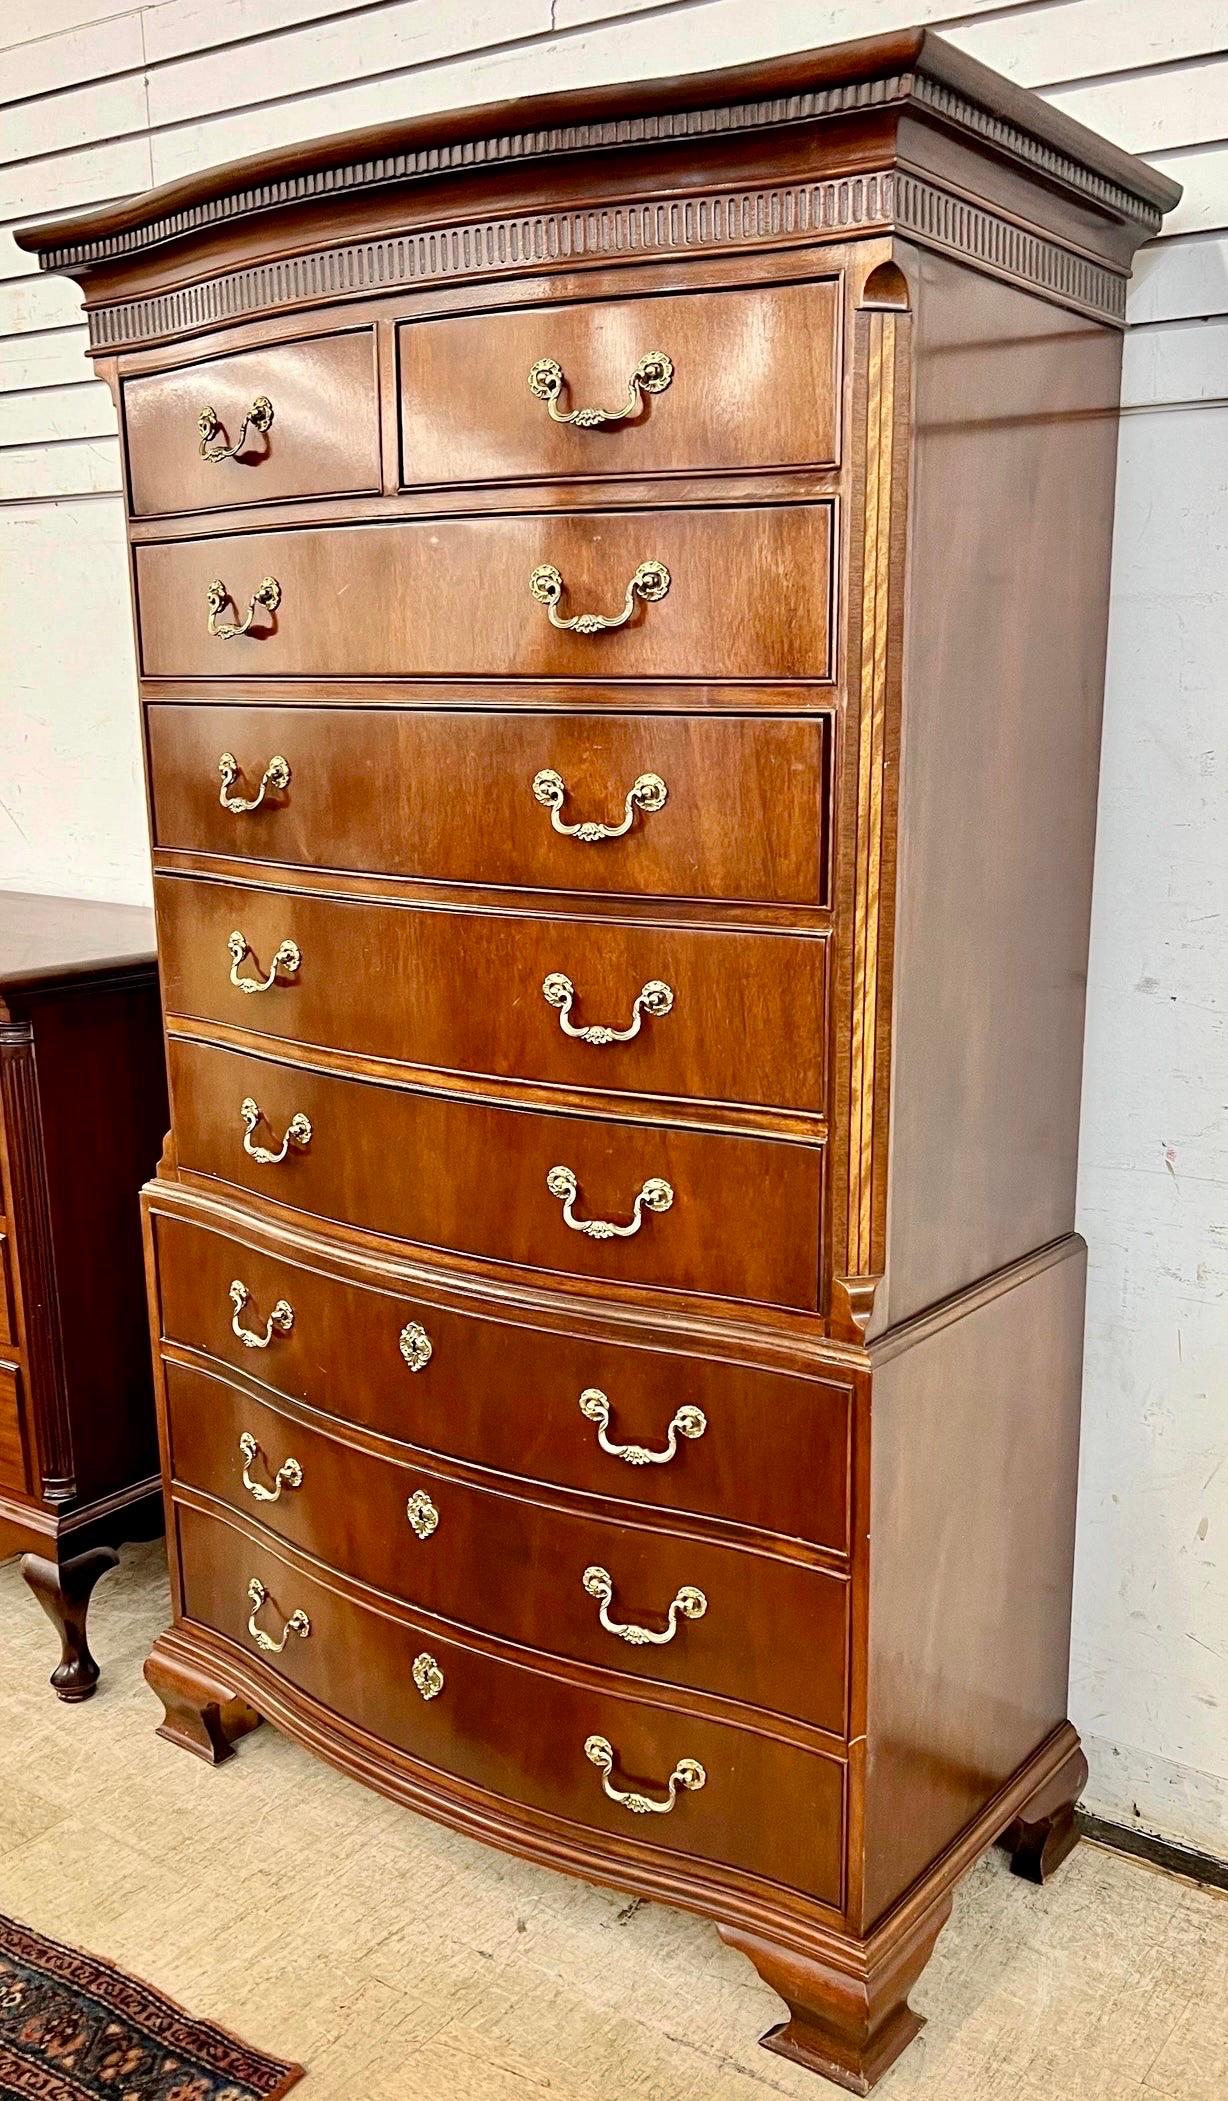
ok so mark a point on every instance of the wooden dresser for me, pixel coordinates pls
(620, 586)
(82, 1118)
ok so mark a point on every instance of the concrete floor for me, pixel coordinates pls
(399, 1961)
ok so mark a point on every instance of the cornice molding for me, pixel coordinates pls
(628, 232)
(416, 163)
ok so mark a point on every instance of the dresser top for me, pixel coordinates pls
(53, 938)
(907, 72)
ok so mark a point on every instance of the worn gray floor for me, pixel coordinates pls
(397, 1960)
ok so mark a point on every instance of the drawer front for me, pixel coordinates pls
(710, 1016)
(398, 792)
(449, 598)
(743, 1222)
(12, 1454)
(752, 381)
(7, 1323)
(517, 1569)
(519, 1730)
(323, 438)
(768, 1451)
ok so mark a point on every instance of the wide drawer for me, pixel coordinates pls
(519, 1729)
(728, 1216)
(701, 381)
(761, 1450)
(314, 431)
(700, 1014)
(694, 1612)
(733, 807)
(748, 598)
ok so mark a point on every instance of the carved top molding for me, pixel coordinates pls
(891, 72)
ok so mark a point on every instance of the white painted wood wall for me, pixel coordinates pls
(98, 99)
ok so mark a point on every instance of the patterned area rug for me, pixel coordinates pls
(75, 2029)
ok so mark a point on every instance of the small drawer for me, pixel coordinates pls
(692, 1612)
(759, 1803)
(289, 419)
(765, 1452)
(699, 382)
(12, 1451)
(748, 598)
(728, 806)
(695, 1014)
(682, 1210)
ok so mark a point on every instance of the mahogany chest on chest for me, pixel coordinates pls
(620, 588)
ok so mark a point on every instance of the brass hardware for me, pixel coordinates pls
(427, 1676)
(647, 793)
(259, 418)
(650, 582)
(651, 376)
(288, 1475)
(266, 594)
(656, 997)
(280, 1320)
(687, 1422)
(655, 1195)
(687, 1774)
(416, 1345)
(690, 1604)
(276, 775)
(298, 1622)
(287, 958)
(298, 1132)
(422, 1514)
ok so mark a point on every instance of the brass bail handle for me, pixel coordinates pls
(654, 1195)
(298, 1622)
(287, 957)
(656, 997)
(650, 582)
(276, 775)
(648, 793)
(688, 1421)
(547, 380)
(266, 597)
(688, 1604)
(688, 1775)
(258, 418)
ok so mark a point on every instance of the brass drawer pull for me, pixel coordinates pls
(647, 793)
(287, 958)
(276, 775)
(288, 1475)
(416, 1346)
(651, 376)
(656, 997)
(279, 1322)
(427, 1676)
(650, 582)
(689, 1604)
(688, 1422)
(655, 1195)
(258, 418)
(298, 1622)
(687, 1774)
(266, 594)
(422, 1514)
(298, 1132)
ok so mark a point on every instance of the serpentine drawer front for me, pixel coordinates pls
(675, 1607)
(624, 1202)
(643, 1010)
(620, 587)
(637, 386)
(255, 426)
(674, 595)
(567, 802)
(765, 1452)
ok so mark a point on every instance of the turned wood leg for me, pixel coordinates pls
(1044, 1831)
(851, 2023)
(200, 1715)
(64, 1589)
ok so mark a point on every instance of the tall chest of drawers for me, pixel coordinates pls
(620, 587)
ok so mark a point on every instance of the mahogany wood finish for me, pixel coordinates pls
(463, 381)
(846, 1356)
(377, 600)
(414, 799)
(82, 1116)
